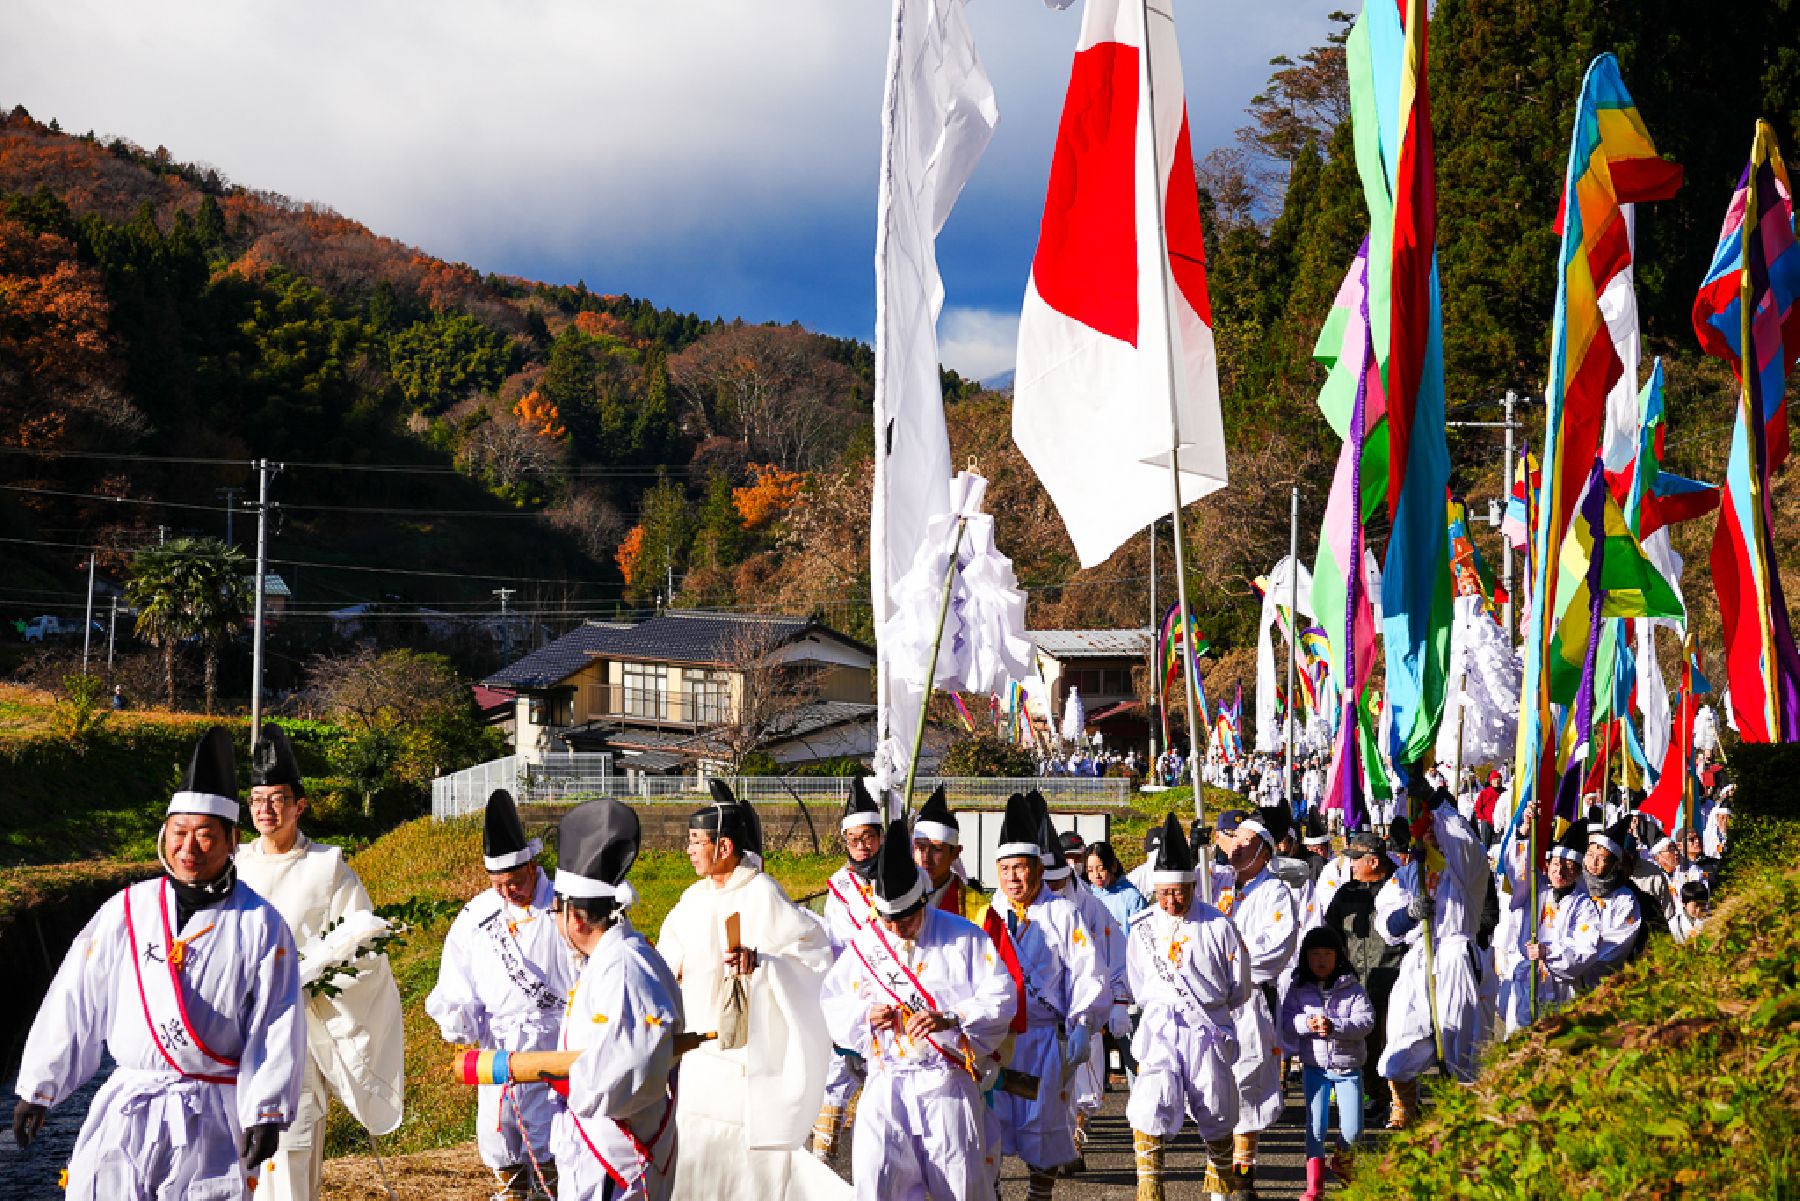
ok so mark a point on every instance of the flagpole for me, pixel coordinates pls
(1287, 725)
(918, 741)
(1189, 668)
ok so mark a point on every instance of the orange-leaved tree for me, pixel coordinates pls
(539, 414)
(771, 493)
(629, 552)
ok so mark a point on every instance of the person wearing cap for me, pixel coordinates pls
(615, 1137)
(1315, 843)
(1350, 911)
(1566, 941)
(1088, 1088)
(1486, 802)
(1265, 913)
(848, 893)
(921, 995)
(503, 983)
(355, 1038)
(1445, 885)
(1188, 969)
(1622, 928)
(191, 982)
(746, 1111)
(1067, 995)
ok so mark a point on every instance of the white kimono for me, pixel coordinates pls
(1568, 931)
(1265, 914)
(226, 1052)
(1620, 925)
(355, 1040)
(1088, 1088)
(846, 911)
(1065, 985)
(746, 1114)
(919, 1130)
(619, 1124)
(503, 984)
(1191, 976)
(1458, 895)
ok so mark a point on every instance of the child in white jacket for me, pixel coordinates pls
(1324, 1021)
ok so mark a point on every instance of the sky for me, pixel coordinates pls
(715, 156)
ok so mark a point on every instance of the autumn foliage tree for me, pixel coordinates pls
(537, 414)
(630, 551)
(770, 493)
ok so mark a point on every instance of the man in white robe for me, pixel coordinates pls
(746, 1111)
(1088, 1089)
(1562, 948)
(355, 1040)
(848, 893)
(1622, 929)
(1191, 975)
(922, 996)
(616, 1138)
(503, 984)
(1266, 915)
(1067, 996)
(1445, 885)
(191, 982)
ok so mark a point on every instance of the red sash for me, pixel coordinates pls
(887, 981)
(848, 908)
(170, 1028)
(995, 926)
(645, 1152)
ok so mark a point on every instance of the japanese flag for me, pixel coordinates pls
(1115, 340)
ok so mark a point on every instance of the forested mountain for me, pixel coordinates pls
(448, 432)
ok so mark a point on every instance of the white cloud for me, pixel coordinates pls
(978, 344)
(712, 154)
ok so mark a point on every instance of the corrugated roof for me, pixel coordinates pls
(1092, 644)
(674, 637)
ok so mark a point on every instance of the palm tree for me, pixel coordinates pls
(189, 588)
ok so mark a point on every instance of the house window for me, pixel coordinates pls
(709, 697)
(553, 708)
(645, 689)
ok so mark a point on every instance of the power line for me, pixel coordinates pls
(642, 470)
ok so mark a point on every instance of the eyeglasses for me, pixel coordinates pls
(269, 803)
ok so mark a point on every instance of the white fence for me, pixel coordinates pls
(568, 778)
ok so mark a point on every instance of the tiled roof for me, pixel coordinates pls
(1092, 644)
(674, 637)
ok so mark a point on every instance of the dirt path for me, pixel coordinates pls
(457, 1175)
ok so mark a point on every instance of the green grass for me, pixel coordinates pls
(1680, 1077)
(442, 861)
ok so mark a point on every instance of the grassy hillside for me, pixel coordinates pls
(1680, 1077)
(440, 862)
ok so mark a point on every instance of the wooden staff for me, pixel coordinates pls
(538, 1067)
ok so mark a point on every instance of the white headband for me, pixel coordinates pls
(204, 804)
(1257, 828)
(512, 859)
(938, 832)
(1018, 850)
(904, 901)
(866, 817)
(1159, 878)
(1607, 842)
(586, 888)
(1562, 852)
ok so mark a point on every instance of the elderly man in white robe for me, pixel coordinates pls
(921, 995)
(503, 984)
(1088, 1089)
(191, 982)
(748, 1103)
(1562, 948)
(616, 1138)
(1067, 996)
(355, 1040)
(848, 893)
(1443, 887)
(1191, 976)
(1266, 915)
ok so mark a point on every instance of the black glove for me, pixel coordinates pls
(259, 1145)
(28, 1120)
(1419, 908)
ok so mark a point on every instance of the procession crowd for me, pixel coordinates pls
(917, 1031)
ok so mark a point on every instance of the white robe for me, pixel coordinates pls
(1458, 895)
(151, 1133)
(1620, 926)
(1266, 915)
(1568, 931)
(622, 1089)
(1088, 1088)
(1065, 984)
(1186, 1043)
(846, 911)
(355, 1039)
(745, 1114)
(919, 1130)
(477, 1003)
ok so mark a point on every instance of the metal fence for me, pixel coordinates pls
(568, 778)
